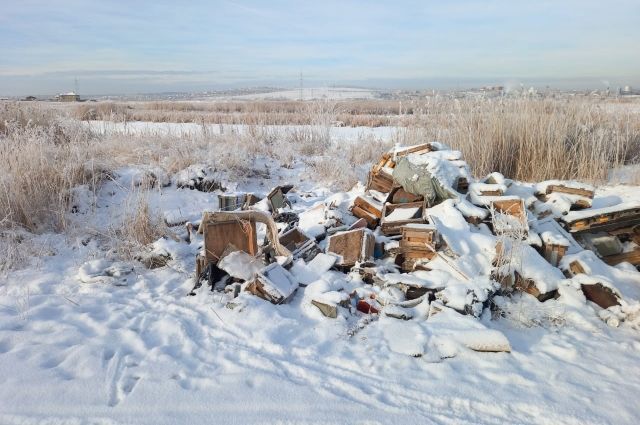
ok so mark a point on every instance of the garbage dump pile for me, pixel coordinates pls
(425, 241)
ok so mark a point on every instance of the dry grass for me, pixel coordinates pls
(535, 139)
(43, 155)
(141, 226)
(41, 160)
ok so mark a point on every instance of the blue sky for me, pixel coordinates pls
(147, 46)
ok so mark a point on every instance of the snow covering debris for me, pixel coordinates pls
(105, 271)
(199, 177)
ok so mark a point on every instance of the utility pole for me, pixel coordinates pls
(75, 85)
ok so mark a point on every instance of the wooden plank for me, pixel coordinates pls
(491, 193)
(554, 253)
(418, 149)
(570, 190)
(605, 221)
(600, 295)
(412, 255)
(576, 268)
(632, 257)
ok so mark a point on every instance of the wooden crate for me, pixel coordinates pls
(352, 246)
(511, 206)
(632, 257)
(605, 221)
(299, 244)
(368, 210)
(380, 180)
(393, 227)
(417, 244)
(418, 236)
(553, 253)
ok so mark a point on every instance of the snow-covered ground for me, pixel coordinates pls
(191, 129)
(138, 350)
(311, 93)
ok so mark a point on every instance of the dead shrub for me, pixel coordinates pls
(140, 225)
(334, 171)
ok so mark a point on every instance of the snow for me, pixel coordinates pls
(552, 233)
(241, 265)
(307, 273)
(278, 282)
(310, 93)
(77, 349)
(444, 165)
(401, 214)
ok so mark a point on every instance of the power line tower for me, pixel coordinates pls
(301, 87)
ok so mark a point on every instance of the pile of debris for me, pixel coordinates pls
(424, 237)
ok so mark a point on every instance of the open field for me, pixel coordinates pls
(84, 183)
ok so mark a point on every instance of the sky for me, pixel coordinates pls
(123, 47)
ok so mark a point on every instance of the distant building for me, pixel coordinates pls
(629, 91)
(69, 97)
(30, 98)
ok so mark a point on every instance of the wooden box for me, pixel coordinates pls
(352, 246)
(367, 209)
(299, 244)
(393, 217)
(511, 206)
